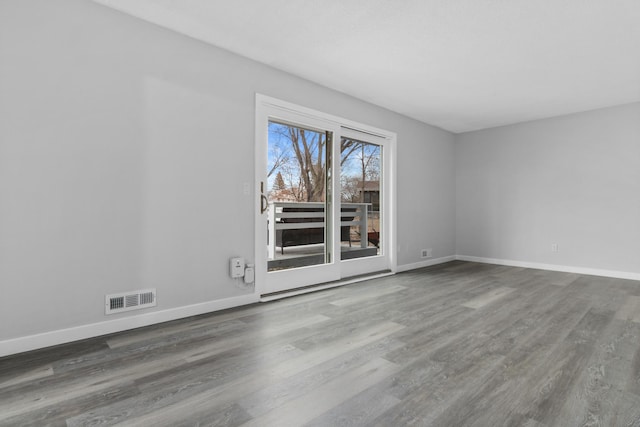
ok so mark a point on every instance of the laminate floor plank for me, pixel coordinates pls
(163, 334)
(360, 410)
(189, 387)
(634, 376)
(602, 385)
(368, 295)
(291, 386)
(630, 310)
(93, 378)
(562, 279)
(16, 365)
(415, 310)
(35, 374)
(229, 415)
(456, 344)
(489, 297)
(472, 326)
(58, 413)
(328, 350)
(306, 407)
(542, 389)
(142, 350)
(506, 381)
(404, 307)
(493, 402)
(506, 391)
(205, 414)
(561, 370)
(429, 399)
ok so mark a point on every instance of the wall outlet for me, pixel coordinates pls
(426, 253)
(554, 247)
(236, 267)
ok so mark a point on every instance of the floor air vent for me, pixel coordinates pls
(117, 303)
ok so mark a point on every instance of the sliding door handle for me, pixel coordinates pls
(264, 203)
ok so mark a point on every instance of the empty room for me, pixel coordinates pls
(320, 213)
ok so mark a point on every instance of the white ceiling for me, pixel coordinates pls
(458, 64)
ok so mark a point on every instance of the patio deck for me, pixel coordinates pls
(305, 255)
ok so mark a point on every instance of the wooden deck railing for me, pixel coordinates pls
(310, 215)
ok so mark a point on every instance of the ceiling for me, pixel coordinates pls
(461, 65)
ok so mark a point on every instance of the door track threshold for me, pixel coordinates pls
(313, 288)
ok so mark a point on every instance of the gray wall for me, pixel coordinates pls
(123, 150)
(571, 180)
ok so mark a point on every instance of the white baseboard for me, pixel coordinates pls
(47, 339)
(553, 267)
(425, 263)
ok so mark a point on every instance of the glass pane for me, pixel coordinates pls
(297, 181)
(360, 178)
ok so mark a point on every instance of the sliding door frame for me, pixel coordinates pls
(271, 108)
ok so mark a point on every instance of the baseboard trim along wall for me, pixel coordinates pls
(62, 336)
(425, 263)
(553, 267)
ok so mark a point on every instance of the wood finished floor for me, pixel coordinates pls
(460, 344)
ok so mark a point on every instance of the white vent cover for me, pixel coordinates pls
(136, 300)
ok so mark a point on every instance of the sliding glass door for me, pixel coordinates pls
(298, 196)
(360, 195)
(323, 199)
